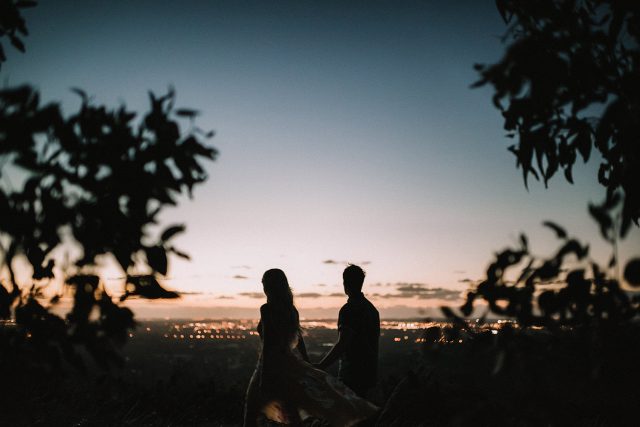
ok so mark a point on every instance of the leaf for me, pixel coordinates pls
(184, 112)
(560, 232)
(548, 270)
(602, 174)
(81, 93)
(506, 15)
(147, 286)
(611, 201)
(602, 218)
(583, 142)
(626, 224)
(574, 247)
(524, 243)
(478, 83)
(632, 272)
(467, 307)
(17, 43)
(40, 272)
(180, 253)
(526, 271)
(157, 259)
(568, 174)
(172, 231)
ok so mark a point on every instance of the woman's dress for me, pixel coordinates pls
(285, 387)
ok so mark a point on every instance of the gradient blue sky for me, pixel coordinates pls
(347, 131)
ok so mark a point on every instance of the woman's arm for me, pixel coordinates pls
(265, 321)
(302, 348)
(266, 345)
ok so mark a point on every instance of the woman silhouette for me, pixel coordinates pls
(284, 385)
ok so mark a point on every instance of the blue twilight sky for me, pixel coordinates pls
(347, 131)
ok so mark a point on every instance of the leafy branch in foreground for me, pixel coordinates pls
(570, 81)
(564, 352)
(12, 24)
(567, 83)
(545, 292)
(96, 181)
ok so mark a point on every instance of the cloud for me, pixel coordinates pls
(251, 294)
(243, 267)
(459, 271)
(309, 295)
(403, 290)
(240, 277)
(225, 297)
(441, 293)
(321, 285)
(334, 262)
(411, 288)
(420, 291)
(467, 280)
(317, 295)
(191, 293)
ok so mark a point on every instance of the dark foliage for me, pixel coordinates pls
(564, 354)
(95, 181)
(570, 81)
(528, 377)
(565, 357)
(546, 292)
(12, 25)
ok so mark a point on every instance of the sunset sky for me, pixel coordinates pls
(347, 132)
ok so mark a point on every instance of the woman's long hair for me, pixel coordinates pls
(280, 298)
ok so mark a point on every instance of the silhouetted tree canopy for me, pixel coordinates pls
(566, 289)
(12, 25)
(569, 81)
(94, 181)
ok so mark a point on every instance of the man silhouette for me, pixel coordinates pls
(358, 333)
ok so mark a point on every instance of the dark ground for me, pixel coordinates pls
(170, 381)
(493, 376)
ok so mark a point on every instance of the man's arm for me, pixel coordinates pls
(344, 339)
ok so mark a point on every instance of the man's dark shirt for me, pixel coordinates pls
(359, 363)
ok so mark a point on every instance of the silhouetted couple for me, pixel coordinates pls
(285, 386)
